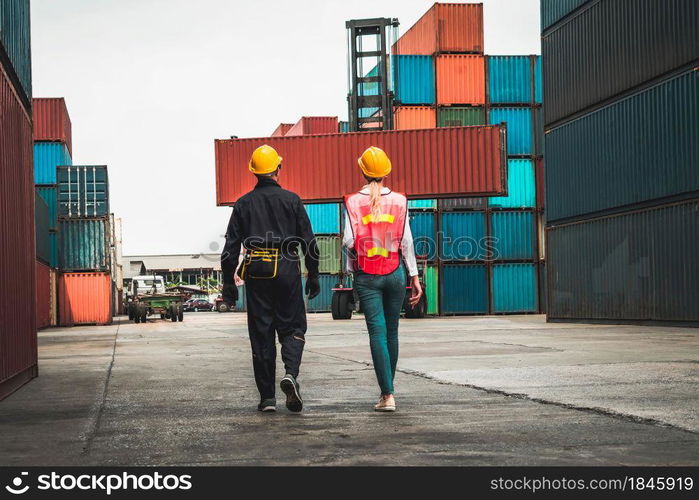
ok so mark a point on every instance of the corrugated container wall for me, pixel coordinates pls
(48, 194)
(636, 266)
(414, 117)
(83, 191)
(460, 79)
(47, 156)
(18, 355)
(324, 217)
(15, 41)
(613, 46)
(281, 129)
(514, 288)
(521, 186)
(413, 79)
(520, 137)
(52, 121)
(423, 229)
(43, 295)
(514, 235)
(553, 11)
(431, 275)
(41, 227)
(460, 117)
(423, 204)
(510, 79)
(433, 163)
(464, 289)
(313, 125)
(83, 244)
(463, 235)
(445, 28)
(641, 148)
(323, 301)
(451, 204)
(85, 299)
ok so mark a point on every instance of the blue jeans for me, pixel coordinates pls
(381, 298)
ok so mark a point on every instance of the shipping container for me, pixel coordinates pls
(460, 116)
(323, 302)
(514, 288)
(329, 255)
(521, 186)
(540, 184)
(47, 156)
(422, 204)
(314, 125)
(641, 148)
(514, 235)
(15, 45)
(41, 228)
(463, 236)
(460, 79)
(553, 11)
(344, 127)
(445, 27)
(422, 227)
(413, 79)
(282, 129)
(520, 137)
(639, 265)
(464, 289)
(241, 305)
(52, 121)
(83, 244)
(325, 217)
(414, 117)
(18, 355)
(83, 191)
(627, 42)
(53, 297)
(431, 163)
(431, 277)
(464, 203)
(43, 295)
(85, 299)
(53, 248)
(538, 82)
(510, 79)
(48, 194)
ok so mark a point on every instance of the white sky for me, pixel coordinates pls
(151, 83)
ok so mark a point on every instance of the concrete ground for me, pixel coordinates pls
(508, 390)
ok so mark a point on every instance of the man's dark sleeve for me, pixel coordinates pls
(309, 247)
(231, 250)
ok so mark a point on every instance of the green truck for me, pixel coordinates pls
(147, 297)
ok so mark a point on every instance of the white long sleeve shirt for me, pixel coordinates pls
(406, 244)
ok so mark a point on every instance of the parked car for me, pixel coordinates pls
(198, 305)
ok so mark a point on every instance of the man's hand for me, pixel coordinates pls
(230, 294)
(415, 291)
(312, 287)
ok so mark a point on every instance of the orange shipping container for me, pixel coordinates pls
(460, 79)
(314, 125)
(85, 299)
(446, 27)
(414, 117)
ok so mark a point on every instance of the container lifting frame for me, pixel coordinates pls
(382, 101)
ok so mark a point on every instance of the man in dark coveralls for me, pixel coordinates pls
(272, 225)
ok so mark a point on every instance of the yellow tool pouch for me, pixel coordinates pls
(260, 264)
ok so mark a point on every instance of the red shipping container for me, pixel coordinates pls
(446, 27)
(414, 117)
(460, 79)
(43, 295)
(18, 354)
(432, 163)
(314, 125)
(52, 121)
(84, 299)
(281, 129)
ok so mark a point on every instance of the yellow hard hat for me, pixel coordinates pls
(375, 163)
(264, 160)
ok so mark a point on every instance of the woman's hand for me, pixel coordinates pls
(415, 290)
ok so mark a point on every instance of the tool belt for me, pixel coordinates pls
(260, 264)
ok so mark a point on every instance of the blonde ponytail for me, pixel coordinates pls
(375, 188)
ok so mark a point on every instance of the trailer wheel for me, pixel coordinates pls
(135, 315)
(173, 312)
(222, 307)
(142, 312)
(129, 310)
(420, 309)
(180, 312)
(342, 305)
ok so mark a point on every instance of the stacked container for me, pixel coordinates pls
(325, 222)
(622, 152)
(18, 315)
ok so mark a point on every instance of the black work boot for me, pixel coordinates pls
(267, 405)
(293, 396)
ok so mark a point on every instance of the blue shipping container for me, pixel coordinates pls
(323, 302)
(344, 127)
(521, 186)
(422, 226)
(325, 217)
(463, 236)
(84, 244)
(83, 191)
(48, 194)
(514, 288)
(464, 289)
(509, 79)
(538, 82)
(520, 140)
(47, 156)
(15, 39)
(513, 235)
(242, 302)
(414, 79)
(425, 204)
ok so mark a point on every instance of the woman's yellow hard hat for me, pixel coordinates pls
(375, 163)
(264, 160)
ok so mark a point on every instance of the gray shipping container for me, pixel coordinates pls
(83, 191)
(84, 244)
(640, 265)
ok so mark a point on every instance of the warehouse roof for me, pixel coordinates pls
(176, 262)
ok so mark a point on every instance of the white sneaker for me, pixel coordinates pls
(386, 403)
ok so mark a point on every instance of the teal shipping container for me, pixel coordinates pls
(15, 39)
(463, 236)
(53, 247)
(423, 204)
(48, 156)
(422, 226)
(83, 191)
(414, 79)
(48, 194)
(520, 138)
(553, 11)
(538, 81)
(325, 217)
(343, 127)
(241, 305)
(521, 186)
(514, 288)
(41, 228)
(323, 302)
(464, 289)
(510, 79)
(84, 244)
(513, 235)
